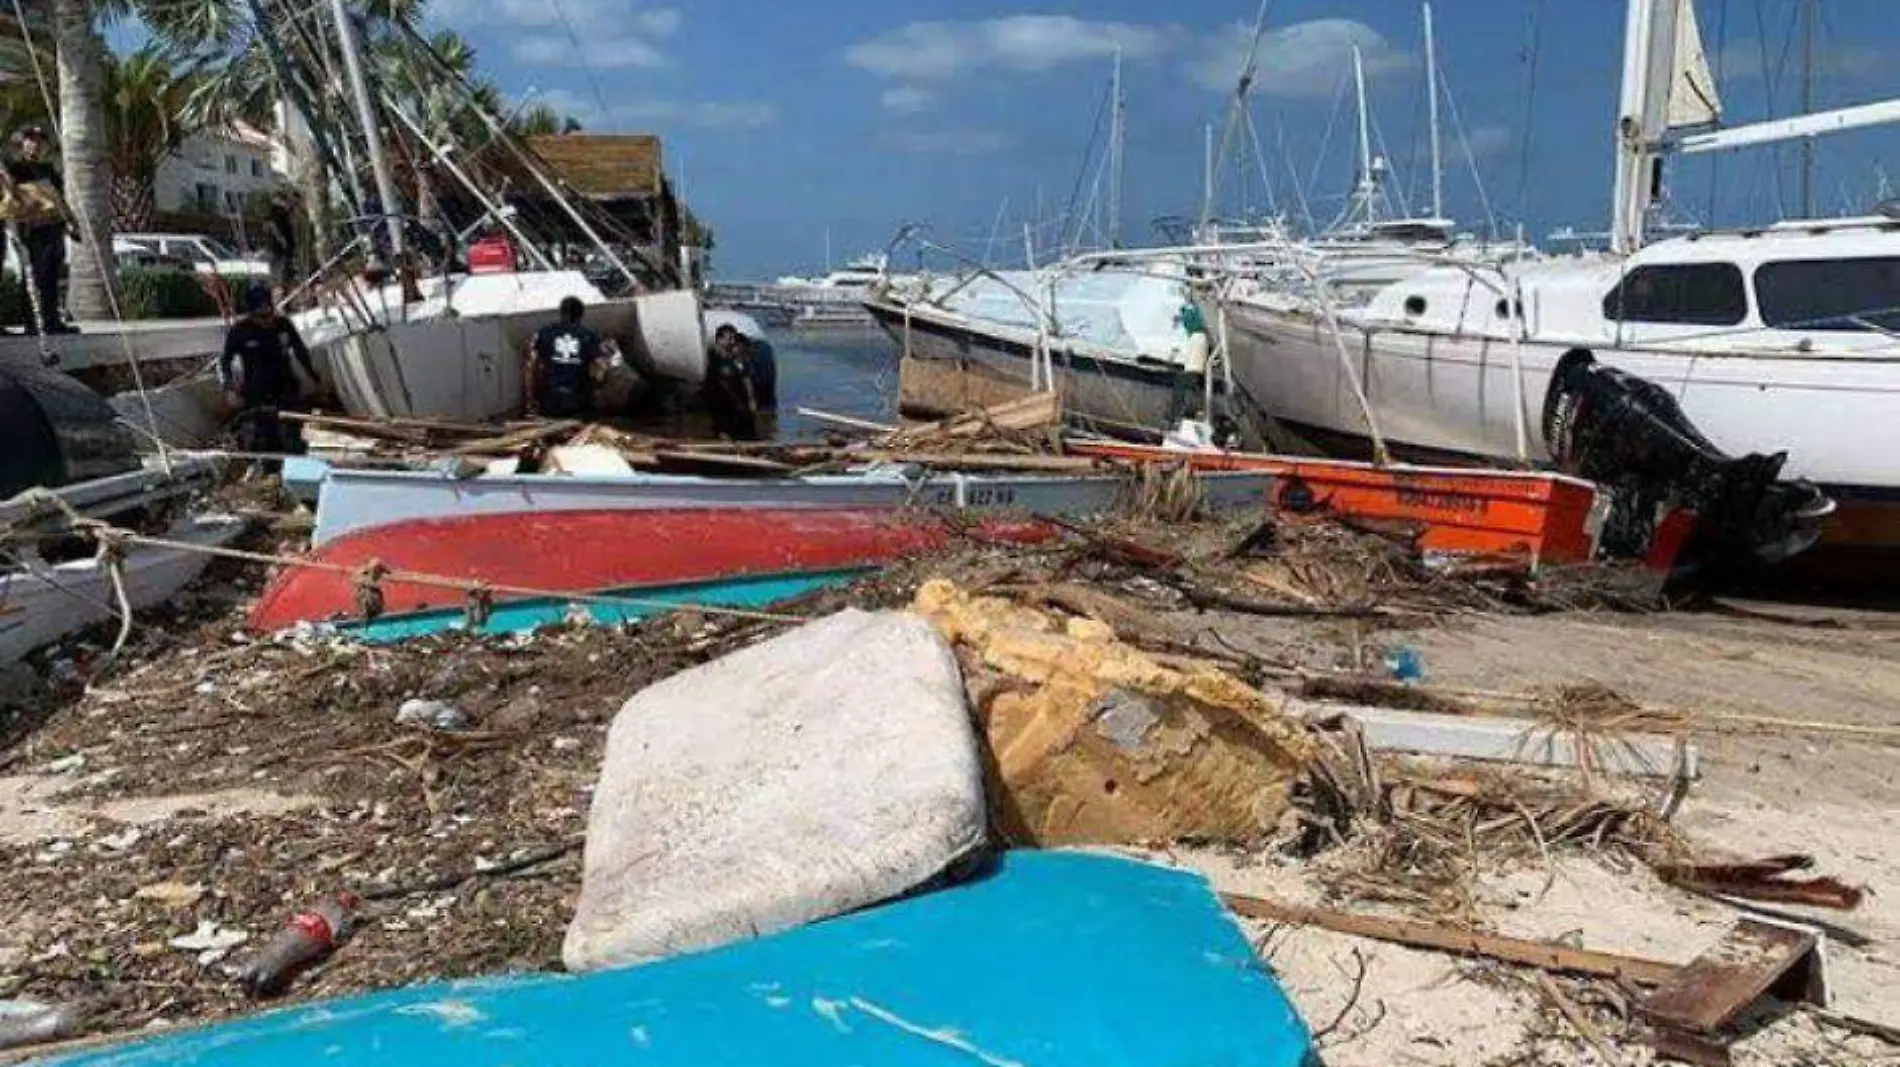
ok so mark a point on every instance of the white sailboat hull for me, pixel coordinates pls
(1460, 396)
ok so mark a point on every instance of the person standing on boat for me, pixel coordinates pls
(44, 235)
(259, 380)
(565, 362)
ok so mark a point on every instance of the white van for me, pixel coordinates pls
(207, 255)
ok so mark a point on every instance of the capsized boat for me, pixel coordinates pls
(1049, 958)
(1539, 517)
(351, 501)
(646, 555)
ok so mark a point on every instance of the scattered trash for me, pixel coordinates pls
(210, 941)
(310, 936)
(1404, 664)
(171, 894)
(433, 714)
(67, 764)
(29, 1022)
(122, 840)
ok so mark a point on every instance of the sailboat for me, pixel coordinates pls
(1766, 341)
(1104, 329)
(451, 345)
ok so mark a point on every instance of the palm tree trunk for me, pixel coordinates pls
(313, 188)
(134, 202)
(83, 154)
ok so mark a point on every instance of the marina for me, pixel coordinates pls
(1206, 585)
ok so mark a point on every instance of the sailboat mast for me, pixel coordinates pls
(1431, 96)
(1807, 107)
(1207, 175)
(1365, 191)
(366, 114)
(1649, 49)
(1118, 130)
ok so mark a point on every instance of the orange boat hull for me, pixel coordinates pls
(1540, 517)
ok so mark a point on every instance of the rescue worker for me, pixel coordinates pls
(44, 238)
(729, 392)
(565, 361)
(259, 380)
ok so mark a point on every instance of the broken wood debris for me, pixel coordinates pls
(1705, 997)
(1765, 880)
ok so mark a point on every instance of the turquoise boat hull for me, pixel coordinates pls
(525, 616)
(1049, 960)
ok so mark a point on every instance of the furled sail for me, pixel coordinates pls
(1692, 96)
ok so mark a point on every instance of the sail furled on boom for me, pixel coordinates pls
(1693, 100)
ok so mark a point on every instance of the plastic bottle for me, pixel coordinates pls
(1405, 664)
(26, 1022)
(310, 936)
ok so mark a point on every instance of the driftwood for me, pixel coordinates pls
(1032, 412)
(1459, 941)
(1765, 880)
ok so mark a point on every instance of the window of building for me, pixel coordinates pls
(206, 196)
(257, 168)
(1694, 294)
(230, 201)
(1830, 294)
(230, 164)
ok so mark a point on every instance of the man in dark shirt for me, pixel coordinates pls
(729, 393)
(45, 239)
(262, 382)
(565, 361)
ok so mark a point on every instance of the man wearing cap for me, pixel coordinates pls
(44, 236)
(258, 378)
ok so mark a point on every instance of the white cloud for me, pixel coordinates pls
(939, 51)
(1489, 140)
(948, 142)
(1306, 59)
(639, 116)
(1743, 60)
(907, 100)
(543, 33)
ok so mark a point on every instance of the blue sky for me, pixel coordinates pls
(785, 118)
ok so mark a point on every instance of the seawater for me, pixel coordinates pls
(843, 371)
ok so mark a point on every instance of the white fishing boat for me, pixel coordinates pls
(1772, 340)
(42, 601)
(1108, 336)
(350, 501)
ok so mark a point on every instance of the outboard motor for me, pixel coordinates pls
(1631, 437)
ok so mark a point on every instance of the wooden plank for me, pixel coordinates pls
(1458, 941)
(716, 464)
(1023, 413)
(1503, 740)
(981, 461)
(514, 440)
(847, 421)
(1748, 962)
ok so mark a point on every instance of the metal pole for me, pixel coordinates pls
(1118, 131)
(1431, 89)
(1365, 191)
(366, 114)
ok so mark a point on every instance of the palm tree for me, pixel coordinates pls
(146, 120)
(79, 55)
(540, 120)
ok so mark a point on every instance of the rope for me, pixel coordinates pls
(112, 557)
(91, 242)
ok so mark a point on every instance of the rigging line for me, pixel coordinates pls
(1533, 48)
(1405, 207)
(1299, 194)
(1082, 169)
(1325, 142)
(580, 51)
(1471, 158)
(1260, 159)
(1721, 75)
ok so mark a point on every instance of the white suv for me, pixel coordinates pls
(205, 254)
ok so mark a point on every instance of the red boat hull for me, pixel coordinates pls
(591, 551)
(1540, 516)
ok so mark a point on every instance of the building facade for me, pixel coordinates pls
(219, 172)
